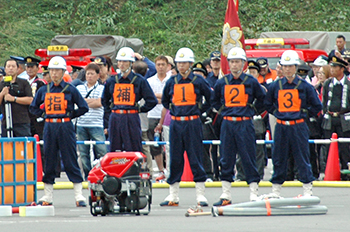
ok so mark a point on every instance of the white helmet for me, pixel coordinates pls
(237, 53)
(57, 62)
(290, 57)
(126, 54)
(184, 55)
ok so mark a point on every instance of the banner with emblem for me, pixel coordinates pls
(232, 35)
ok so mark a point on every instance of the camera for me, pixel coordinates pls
(13, 87)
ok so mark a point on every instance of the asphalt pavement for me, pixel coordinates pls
(334, 195)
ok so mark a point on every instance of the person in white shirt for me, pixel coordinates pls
(157, 83)
(90, 125)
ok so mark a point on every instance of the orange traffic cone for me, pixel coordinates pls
(187, 174)
(39, 164)
(332, 172)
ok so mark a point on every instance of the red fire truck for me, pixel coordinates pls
(272, 49)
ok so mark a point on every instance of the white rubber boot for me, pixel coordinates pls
(276, 190)
(78, 194)
(47, 199)
(307, 189)
(226, 190)
(253, 191)
(174, 193)
(200, 192)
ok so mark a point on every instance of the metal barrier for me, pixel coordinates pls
(214, 142)
(18, 171)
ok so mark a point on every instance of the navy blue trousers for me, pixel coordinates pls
(186, 136)
(238, 138)
(291, 141)
(60, 137)
(124, 132)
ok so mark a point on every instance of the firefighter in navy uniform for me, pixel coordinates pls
(182, 95)
(233, 98)
(32, 68)
(122, 94)
(56, 103)
(336, 108)
(291, 99)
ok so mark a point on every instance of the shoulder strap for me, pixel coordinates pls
(64, 89)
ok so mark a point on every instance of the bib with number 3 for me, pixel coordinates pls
(184, 95)
(235, 96)
(288, 100)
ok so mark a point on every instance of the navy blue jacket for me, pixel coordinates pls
(201, 88)
(310, 103)
(253, 89)
(141, 89)
(71, 94)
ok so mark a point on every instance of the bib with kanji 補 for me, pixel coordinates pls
(288, 100)
(124, 94)
(235, 96)
(55, 103)
(184, 95)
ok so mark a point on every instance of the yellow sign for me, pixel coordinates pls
(270, 41)
(57, 48)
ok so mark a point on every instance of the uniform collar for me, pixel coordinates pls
(241, 77)
(129, 77)
(190, 76)
(62, 83)
(295, 80)
(342, 81)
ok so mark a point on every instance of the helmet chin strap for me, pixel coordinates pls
(126, 71)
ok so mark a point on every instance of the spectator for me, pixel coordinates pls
(267, 75)
(90, 125)
(316, 65)
(141, 67)
(21, 71)
(157, 83)
(336, 108)
(18, 94)
(208, 130)
(340, 43)
(259, 122)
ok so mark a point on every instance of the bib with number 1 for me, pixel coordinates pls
(184, 95)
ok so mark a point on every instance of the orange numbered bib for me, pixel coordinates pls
(184, 95)
(124, 94)
(55, 103)
(288, 100)
(235, 96)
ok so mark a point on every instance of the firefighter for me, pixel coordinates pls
(58, 103)
(291, 99)
(122, 94)
(233, 98)
(182, 95)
